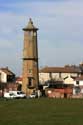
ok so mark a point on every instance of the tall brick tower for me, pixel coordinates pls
(30, 59)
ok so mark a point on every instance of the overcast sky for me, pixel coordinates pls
(60, 35)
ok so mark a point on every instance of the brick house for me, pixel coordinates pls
(60, 91)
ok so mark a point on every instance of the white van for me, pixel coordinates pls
(14, 94)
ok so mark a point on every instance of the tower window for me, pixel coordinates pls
(30, 70)
(35, 64)
(30, 81)
(29, 33)
(25, 33)
(34, 33)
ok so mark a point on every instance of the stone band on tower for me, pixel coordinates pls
(30, 59)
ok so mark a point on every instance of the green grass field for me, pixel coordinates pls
(41, 112)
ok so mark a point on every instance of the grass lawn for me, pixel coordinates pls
(42, 111)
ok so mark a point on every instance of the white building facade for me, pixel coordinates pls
(65, 74)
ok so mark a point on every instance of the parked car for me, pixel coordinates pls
(14, 94)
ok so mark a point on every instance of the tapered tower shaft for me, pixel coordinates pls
(30, 59)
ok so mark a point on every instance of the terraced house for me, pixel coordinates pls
(58, 73)
(62, 82)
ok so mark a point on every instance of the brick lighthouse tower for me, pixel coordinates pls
(30, 59)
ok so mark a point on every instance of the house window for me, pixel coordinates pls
(77, 90)
(77, 82)
(50, 75)
(59, 74)
(10, 78)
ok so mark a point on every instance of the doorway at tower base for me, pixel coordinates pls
(30, 91)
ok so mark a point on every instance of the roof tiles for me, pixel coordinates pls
(59, 70)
